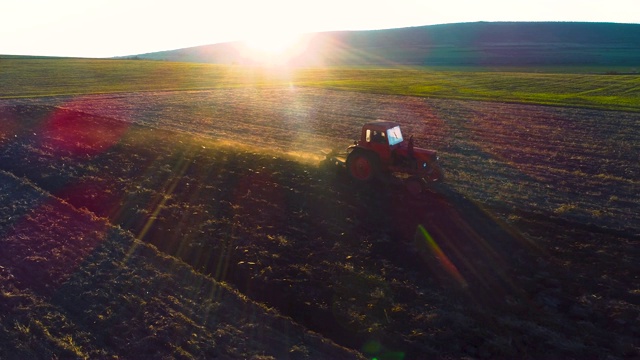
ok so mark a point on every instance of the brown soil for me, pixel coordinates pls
(528, 251)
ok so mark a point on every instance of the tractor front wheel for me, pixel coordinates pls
(362, 166)
(414, 185)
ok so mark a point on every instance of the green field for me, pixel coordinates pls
(588, 88)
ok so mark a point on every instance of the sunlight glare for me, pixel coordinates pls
(271, 43)
(273, 48)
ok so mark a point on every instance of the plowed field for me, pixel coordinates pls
(530, 249)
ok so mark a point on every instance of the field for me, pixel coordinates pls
(203, 224)
(585, 87)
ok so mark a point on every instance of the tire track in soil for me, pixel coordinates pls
(65, 285)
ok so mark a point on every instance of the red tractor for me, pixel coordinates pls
(382, 150)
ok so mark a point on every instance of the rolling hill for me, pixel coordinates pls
(463, 44)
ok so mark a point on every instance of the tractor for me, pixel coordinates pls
(382, 151)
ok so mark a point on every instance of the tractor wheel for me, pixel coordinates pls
(362, 166)
(414, 185)
(436, 174)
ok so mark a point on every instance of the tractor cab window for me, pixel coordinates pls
(395, 135)
(376, 136)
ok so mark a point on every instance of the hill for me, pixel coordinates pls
(463, 44)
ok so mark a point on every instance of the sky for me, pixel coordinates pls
(106, 28)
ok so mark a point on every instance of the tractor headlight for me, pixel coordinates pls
(424, 165)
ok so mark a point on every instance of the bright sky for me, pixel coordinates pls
(105, 28)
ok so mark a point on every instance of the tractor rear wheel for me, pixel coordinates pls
(362, 166)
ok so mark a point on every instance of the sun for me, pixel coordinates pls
(271, 43)
(273, 48)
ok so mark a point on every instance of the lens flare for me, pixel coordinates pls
(441, 256)
(78, 133)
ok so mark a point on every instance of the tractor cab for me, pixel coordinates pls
(382, 137)
(381, 132)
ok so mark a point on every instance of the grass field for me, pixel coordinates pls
(25, 77)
